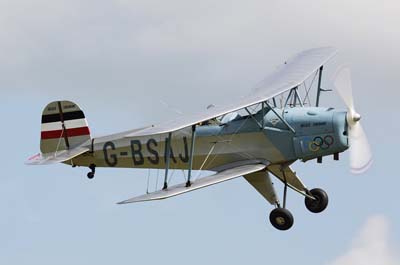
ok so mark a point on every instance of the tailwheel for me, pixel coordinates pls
(92, 171)
(318, 204)
(281, 218)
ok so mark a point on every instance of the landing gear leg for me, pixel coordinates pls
(281, 218)
(92, 171)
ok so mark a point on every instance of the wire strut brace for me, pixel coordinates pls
(168, 159)
(285, 188)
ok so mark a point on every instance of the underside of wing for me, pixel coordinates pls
(198, 184)
(293, 73)
(261, 181)
(289, 176)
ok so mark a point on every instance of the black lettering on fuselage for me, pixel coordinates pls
(185, 158)
(137, 156)
(154, 158)
(319, 123)
(111, 160)
(303, 125)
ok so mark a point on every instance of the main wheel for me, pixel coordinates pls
(281, 219)
(319, 204)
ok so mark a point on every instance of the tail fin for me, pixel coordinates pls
(64, 127)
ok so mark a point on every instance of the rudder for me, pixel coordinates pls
(64, 127)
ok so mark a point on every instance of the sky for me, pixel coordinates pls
(133, 63)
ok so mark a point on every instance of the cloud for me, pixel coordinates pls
(372, 245)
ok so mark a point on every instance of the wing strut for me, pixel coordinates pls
(188, 183)
(319, 85)
(168, 160)
(280, 117)
(256, 121)
(296, 91)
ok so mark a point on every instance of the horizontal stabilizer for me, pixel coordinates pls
(56, 157)
(198, 184)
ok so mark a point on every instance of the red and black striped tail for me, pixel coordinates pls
(64, 126)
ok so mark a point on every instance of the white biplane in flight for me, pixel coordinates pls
(279, 126)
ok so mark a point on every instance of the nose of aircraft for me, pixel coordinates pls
(360, 150)
(341, 129)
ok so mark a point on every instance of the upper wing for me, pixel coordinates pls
(293, 73)
(198, 184)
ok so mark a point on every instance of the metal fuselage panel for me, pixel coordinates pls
(238, 140)
(214, 146)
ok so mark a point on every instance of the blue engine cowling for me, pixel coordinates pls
(319, 131)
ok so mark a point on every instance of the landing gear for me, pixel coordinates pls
(281, 218)
(92, 171)
(318, 204)
(316, 200)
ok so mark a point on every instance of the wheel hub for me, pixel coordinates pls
(280, 220)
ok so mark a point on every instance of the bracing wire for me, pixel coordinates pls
(148, 181)
(59, 141)
(205, 160)
(172, 175)
(183, 174)
(309, 89)
(230, 142)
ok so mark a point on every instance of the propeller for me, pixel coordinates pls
(360, 151)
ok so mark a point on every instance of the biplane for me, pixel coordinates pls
(256, 137)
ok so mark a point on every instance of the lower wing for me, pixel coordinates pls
(219, 177)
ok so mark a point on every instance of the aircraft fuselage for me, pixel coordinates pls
(318, 132)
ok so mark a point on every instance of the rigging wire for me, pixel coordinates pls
(229, 141)
(205, 160)
(59, 141)
(158, 174)
(309, 89)
(223, 148)
(148, 181)
(183, 174)
(172, 175)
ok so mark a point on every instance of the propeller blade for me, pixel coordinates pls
(343, 86)
(360, 150)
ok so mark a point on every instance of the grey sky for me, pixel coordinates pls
(118, 59)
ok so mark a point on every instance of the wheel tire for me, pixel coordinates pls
(90, 175)
(318, 205)
(281, 219)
